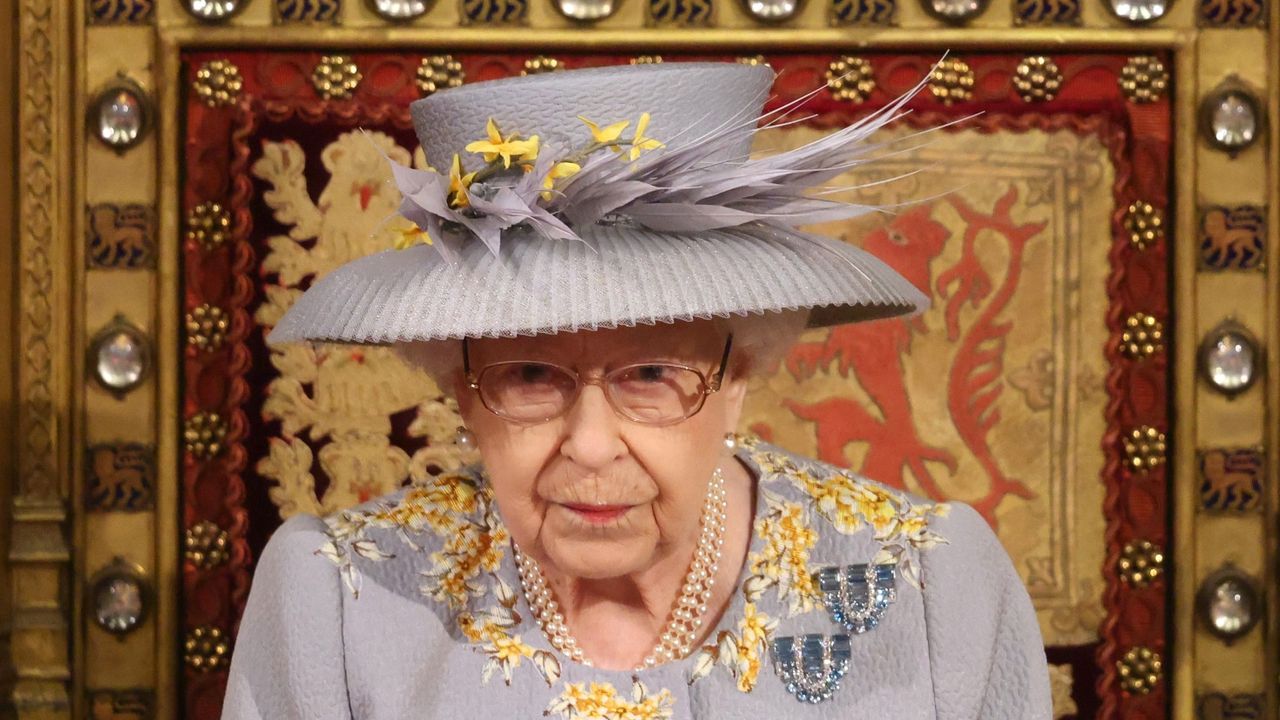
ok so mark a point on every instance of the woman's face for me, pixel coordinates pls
(591, 494)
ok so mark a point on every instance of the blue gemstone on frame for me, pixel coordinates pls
(856, 596)
(811, 666)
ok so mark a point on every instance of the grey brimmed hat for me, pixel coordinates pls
(607, 197)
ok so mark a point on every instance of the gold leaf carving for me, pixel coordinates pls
(335, 402)
(1061, 681)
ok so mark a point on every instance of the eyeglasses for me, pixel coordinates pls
(650, 393)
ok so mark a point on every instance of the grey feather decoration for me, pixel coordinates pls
(681, 187)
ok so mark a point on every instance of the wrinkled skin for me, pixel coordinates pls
(616, 576)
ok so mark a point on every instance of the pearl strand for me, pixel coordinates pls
(677, 638)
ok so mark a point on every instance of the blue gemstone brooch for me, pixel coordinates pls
(856, 596)
(811, 665)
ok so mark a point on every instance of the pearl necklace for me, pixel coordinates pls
(676, 640)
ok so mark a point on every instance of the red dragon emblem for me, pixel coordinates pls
(876, 353)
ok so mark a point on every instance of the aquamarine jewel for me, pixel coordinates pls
(856, 596)
(811, 666)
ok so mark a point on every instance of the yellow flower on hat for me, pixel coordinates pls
(410, 236)
(458, 184)
(607, 135)
(508, 147)
(560, 170)
(641, 143)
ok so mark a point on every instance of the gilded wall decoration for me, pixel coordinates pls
(1230, 706)
(308, 11)
(1231, 479)
(685, 13)
(862, 12)
(495, 12)
(120, 12)
(1230, 13)
(345, 396)
(1060, 682)
(120, 237)
(132, 704)
(1047, 12)
(1232, 238)
(120, 477)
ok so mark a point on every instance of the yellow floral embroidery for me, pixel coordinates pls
(601, 701)
(851, 503)
(783, 559)
(464, 570)
(472, 547)
(741, 652)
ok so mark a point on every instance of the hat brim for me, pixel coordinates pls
(622, 276)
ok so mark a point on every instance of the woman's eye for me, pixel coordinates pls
(650, 373)
(533, 373)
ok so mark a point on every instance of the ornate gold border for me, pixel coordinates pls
(8, 274)
(1271, 577)
(39, 553)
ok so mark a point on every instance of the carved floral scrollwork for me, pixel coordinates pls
(335, 403)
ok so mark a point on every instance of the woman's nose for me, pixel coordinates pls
(592, 430)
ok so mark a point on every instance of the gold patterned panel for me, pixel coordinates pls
(1034, 205)
(39, 552)
(340, 396)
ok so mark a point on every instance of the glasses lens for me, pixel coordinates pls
(656, 393)
(527, 391)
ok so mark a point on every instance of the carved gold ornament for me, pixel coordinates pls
(1139, 670)
(342, 397)
(541, 64)
(206, 545)
(336, 77)
(218, 83)
(1037, 79)
(646, 60)
(1144, 223)
(207, 327)
(951, 81)
(1143, 336)
(206, 649)
(1144, 448)
(203, 434)
(1061, 681)
(850, 79)
(1140, 563)
(439, 72)
(753, 60)
(209, 225)
(1144, 79)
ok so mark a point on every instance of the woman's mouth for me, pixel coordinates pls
(597, 514)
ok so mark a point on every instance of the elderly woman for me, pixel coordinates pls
(602, 272)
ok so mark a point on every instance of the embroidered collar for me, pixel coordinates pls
(452, 520)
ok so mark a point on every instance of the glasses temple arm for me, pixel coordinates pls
(466, 367)
(724, 363)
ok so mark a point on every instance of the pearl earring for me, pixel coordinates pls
(464, 439)
(730, 441)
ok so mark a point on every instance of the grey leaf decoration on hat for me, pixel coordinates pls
(679, 186)
(567, 233)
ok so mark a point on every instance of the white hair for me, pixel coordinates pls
(760, 341)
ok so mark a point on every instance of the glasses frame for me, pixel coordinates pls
(705, 387)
